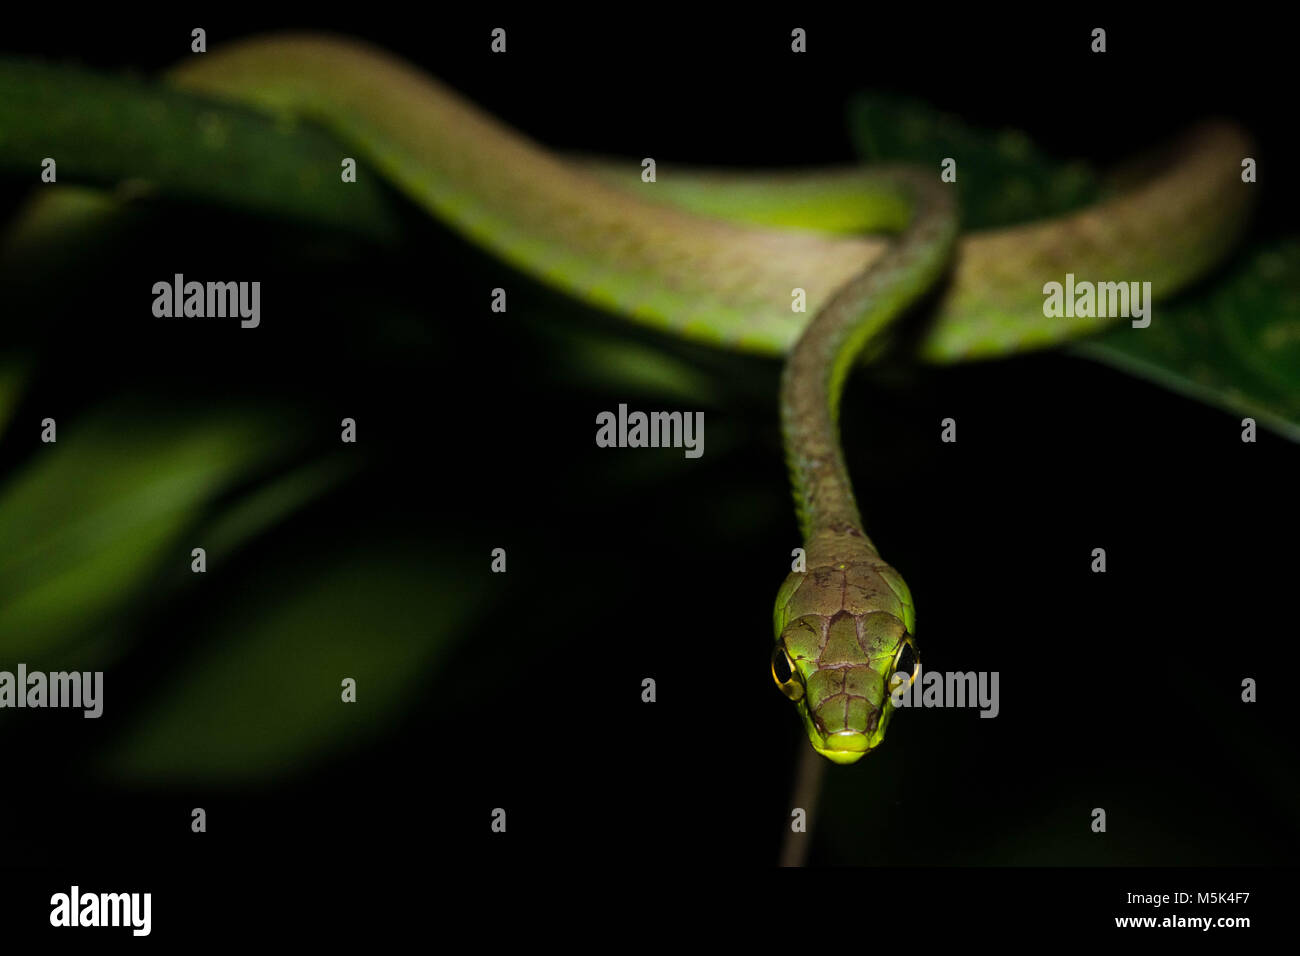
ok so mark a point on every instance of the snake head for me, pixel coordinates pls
(843, 633)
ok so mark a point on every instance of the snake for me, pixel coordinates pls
(723, 256)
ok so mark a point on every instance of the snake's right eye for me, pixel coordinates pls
(783, 672)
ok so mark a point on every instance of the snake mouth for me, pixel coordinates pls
(845, 747)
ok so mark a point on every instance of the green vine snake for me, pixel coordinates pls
(718, 257)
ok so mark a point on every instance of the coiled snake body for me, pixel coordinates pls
(716, 257)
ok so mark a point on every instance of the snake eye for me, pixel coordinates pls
(784, 674)
(906, 662)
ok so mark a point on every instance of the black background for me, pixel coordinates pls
(1119, 691)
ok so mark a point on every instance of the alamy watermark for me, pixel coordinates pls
(75, 908)
(179, 299)
(954, 689)
(651, 430)
(75, 689)
(1102, 300)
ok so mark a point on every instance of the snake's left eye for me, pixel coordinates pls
(783, 672)
(908, 662)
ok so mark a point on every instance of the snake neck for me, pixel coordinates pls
(816, 370)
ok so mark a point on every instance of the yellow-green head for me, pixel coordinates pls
(843, 631)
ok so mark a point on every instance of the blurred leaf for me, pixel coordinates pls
(13, 374)
(55, 210)
(1233, 343)
(262, 693)
(60, 227)
(612, 363)
(1236, 345)
(270, 502)
(1002, 178)
(91, 517)
(143, 137)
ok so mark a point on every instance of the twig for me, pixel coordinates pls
(807, 788)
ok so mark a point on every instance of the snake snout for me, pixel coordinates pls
(846, 746)
(850, 741)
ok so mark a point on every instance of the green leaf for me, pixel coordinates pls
(1236, 345)
(270, 502)
(1002, 177)
(145, 138)
(262, 693)
(1233, 343)
(13, 375)
(93, 517)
